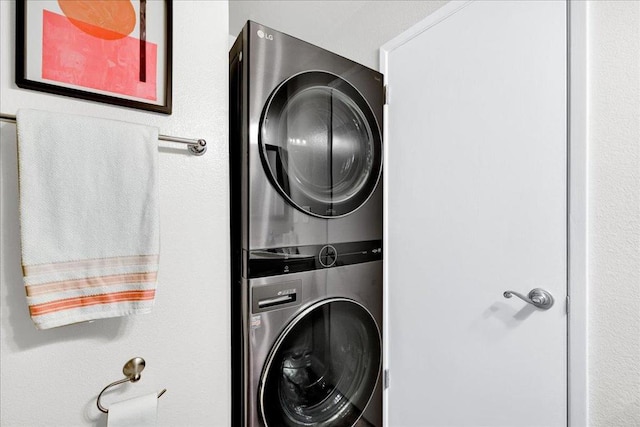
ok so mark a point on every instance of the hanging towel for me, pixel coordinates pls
(88, 216)
(139, 411)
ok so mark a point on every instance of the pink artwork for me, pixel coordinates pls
(113, 51)
(82, 55)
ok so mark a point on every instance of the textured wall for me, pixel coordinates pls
(614, 211)
(52, 377)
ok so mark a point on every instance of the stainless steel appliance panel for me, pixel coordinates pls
(361, 283)
(273, 222)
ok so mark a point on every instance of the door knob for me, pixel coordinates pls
(537, 297)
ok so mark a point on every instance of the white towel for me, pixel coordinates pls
(140, 411)
(89, 216)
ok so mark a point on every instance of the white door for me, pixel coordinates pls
(476, 205)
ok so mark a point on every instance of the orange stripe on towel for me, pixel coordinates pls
(69, 303)
(29, 270)
(90, 282)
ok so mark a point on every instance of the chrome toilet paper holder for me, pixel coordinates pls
(131, 371)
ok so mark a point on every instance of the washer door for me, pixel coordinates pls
(323, 368)
(320, 144)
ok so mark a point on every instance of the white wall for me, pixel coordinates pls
(52, 377)
(614, 211)
(356, 29)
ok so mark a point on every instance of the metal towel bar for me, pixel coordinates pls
(131, 371)
(196, 146)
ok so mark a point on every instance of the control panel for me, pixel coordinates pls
(295, 259)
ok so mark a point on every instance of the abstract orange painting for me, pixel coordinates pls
(115, 51)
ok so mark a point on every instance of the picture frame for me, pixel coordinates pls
(118, 52)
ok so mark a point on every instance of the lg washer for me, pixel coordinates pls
(306, 234)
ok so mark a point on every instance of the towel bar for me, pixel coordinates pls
(196, 146)
(131, 370)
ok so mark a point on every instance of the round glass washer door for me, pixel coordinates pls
(320, 144)
(323, 369)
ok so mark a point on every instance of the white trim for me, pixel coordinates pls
(577, 268)
(577, 162)
(385, 249)
(435, 18)
(385, 242)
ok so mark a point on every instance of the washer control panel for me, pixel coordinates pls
(328, 256)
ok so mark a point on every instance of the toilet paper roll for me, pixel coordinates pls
(140, 411)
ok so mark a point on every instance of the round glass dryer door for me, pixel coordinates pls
(320, 144)
(323, 369)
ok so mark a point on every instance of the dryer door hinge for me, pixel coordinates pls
(386, 95)
(568, 303)
(385, 379)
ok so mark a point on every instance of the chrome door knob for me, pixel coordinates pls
(537, 297)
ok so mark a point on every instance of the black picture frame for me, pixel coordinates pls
(26, 66)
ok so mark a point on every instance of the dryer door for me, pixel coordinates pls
(323, 368)
(320, 144)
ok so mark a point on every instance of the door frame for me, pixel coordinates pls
(577, 191)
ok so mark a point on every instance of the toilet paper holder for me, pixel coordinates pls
(131, 371)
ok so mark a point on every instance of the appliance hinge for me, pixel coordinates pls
(385, 379)
(568, 303)
(386, 95)
(240, 57)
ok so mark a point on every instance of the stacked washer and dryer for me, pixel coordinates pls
(306, 234)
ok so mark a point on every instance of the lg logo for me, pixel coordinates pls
(263, 35)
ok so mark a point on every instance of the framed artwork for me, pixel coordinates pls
(113, 51)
